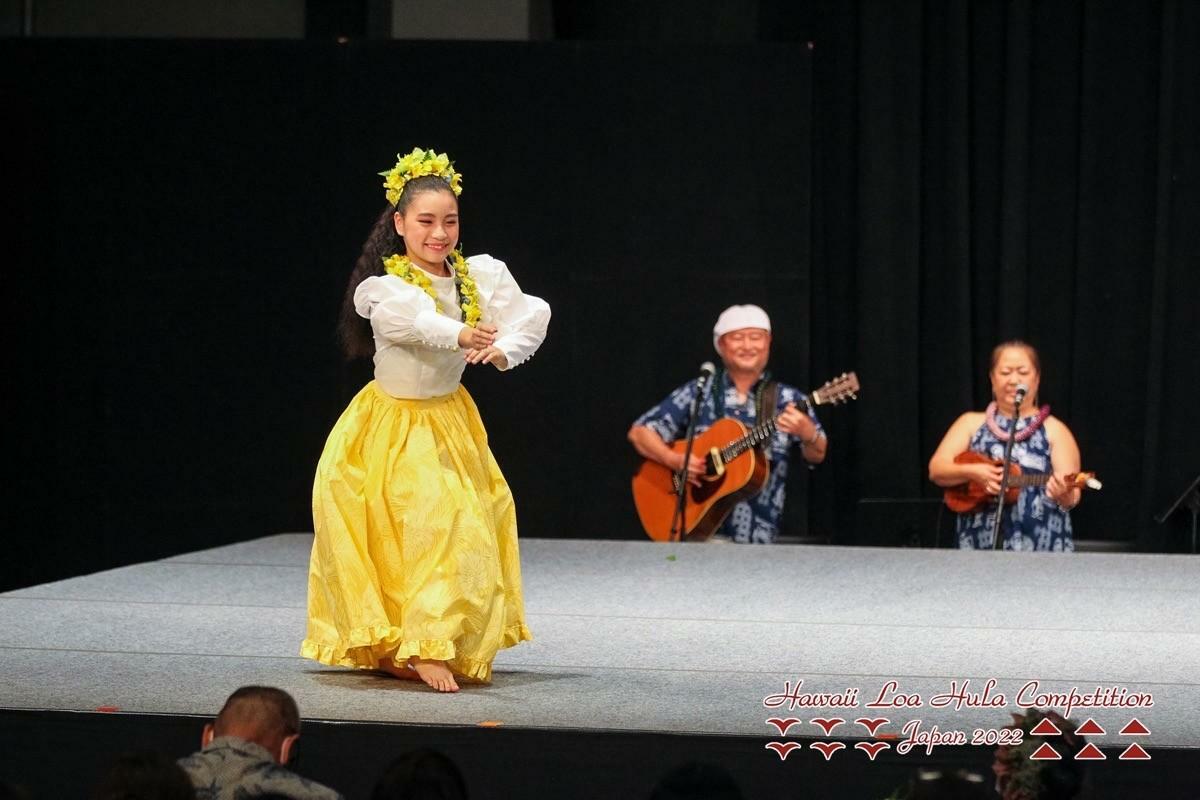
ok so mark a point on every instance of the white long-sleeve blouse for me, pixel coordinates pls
(416, 347)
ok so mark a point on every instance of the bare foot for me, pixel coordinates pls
(405, 673)
(434, 673)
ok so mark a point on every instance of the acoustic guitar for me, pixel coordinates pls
(972, 496)
(735, 469)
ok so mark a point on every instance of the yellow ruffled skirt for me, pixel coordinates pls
(416, 540)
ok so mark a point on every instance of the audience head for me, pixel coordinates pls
(938, 785)
(145, 776)
(421, 775)
(261, 714)
(697, 781)
(13, 791)
(1019, 777)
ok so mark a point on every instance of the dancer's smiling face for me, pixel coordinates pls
(429, 226)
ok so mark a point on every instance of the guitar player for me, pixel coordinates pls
(744, 390)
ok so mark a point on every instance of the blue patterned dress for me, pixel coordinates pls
(1034, 522)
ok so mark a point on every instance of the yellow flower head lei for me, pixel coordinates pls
(418, 164)
(468, 293)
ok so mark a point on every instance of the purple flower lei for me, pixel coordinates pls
(1023, 434)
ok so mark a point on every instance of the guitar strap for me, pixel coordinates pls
(768, 400)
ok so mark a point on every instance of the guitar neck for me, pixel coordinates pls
(760, 432)
(756, 436)
(832, 392)
(1023, 480)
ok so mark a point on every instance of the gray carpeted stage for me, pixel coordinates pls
(639, 636)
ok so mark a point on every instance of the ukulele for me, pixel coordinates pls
(735, 469)
(972, 496)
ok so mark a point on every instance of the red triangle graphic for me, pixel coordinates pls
(1090, 753)
(1090, 728)
(1046, 728)
(1045, 753)
(1134, 752)
(1135, 728)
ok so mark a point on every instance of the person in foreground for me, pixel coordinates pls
(420, 774)
(415, 569)
(245, 749)
(1040, 519)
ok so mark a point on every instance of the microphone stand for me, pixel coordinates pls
(1008, 446)
(681, 482)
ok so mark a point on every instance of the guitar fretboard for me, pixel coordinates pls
(1023, 480)
(759, 433)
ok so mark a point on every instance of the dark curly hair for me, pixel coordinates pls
(354, 332)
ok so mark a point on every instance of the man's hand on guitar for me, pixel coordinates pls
(795, 422)
(696, 467)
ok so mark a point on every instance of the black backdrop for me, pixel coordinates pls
(915, 184)
(197, 207)
(990, 170)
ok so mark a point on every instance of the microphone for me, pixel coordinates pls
(1022, 390)
(707, 370)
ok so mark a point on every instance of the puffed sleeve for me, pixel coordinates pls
(521, 319)
(403, 313)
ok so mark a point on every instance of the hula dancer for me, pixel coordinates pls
(415, 569)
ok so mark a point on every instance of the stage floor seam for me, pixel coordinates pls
(501, 667)
(632, 617)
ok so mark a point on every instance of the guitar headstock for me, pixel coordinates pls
(841, 389)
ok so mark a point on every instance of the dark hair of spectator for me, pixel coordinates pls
(697, 781)
(271, 711)
(421, 775)
(145, 776)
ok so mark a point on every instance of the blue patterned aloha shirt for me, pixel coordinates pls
(757, 519)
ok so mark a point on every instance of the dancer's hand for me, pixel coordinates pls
(477, 338)
(488, 355)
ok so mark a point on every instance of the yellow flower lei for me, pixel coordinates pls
(468, 292)
(417, 164)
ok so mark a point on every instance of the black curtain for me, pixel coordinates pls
(997, 170)
(901, 185)
(190, 212)
(983, 171)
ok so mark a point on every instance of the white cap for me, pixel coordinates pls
(735, 318)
